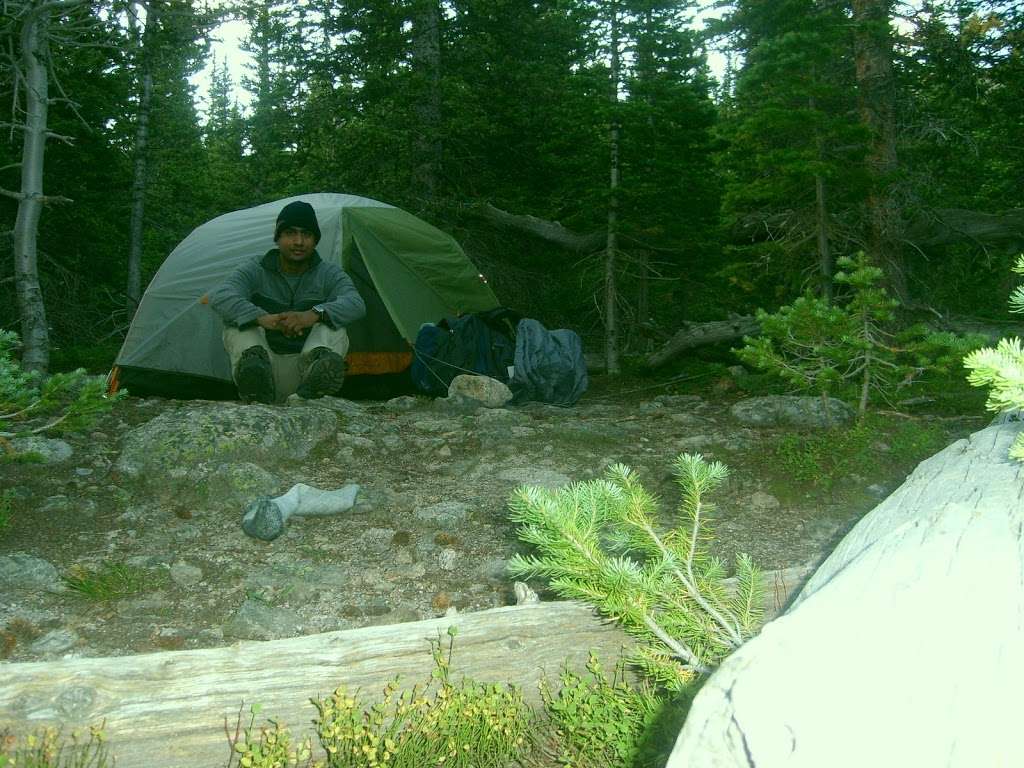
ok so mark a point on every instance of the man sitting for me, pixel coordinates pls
(285, 315)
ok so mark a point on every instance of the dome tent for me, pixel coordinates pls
(407, 271)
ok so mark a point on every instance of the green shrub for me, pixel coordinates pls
(597, 542)
(48, 748)
(461, 724)
(31, 403)
(824, 460)
(853, 350)
(601, 722)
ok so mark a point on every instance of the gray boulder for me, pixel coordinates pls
(905, 648)
(22, 571)
(177, 454)
(51, 450)
(491, 393)
(792, 411)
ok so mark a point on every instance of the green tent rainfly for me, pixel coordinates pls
(407, 271)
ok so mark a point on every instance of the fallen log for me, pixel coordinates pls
(550, 231)
(698, 334)
(166, 710)
(906, 647)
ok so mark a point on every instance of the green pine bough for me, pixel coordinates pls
(598, 542)
(1002, 369)
(31, 403)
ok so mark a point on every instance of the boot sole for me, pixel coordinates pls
(325, 377)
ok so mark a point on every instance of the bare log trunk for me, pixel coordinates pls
(549, 231)
(876, 94)
(427, 62)
(698, 334)
(34, 332)
(164, 710)
(134, 288)
(611, 325)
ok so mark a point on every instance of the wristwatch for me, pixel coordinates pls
(321, 311)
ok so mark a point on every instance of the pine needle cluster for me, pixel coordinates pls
(597, 542)
(1002, 369)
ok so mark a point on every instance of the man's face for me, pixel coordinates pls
(296, 244)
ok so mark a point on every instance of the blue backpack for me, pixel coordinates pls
(478, 343)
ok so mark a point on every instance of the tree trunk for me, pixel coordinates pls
(426, 51)
(876, 95)
(825, 263)
(611, 328)
(34, 332)
(134, 289)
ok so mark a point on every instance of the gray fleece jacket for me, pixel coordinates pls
(259, 287)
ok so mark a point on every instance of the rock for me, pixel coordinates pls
(51, 451)
(175, 455)
(790, 410)
(446, 559)
(763, 502)
(546, 478)
(234, 484)
(931, 577)
(491, 393)
(22, 571)
(402, 404)
(444, 513)
(53, 642)
(256, 620)
(458, 404)
(185, 575)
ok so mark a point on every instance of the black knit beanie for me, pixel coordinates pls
(297, 214)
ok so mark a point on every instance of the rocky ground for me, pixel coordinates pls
(155, 493)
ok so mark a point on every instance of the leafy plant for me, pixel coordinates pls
(851, 349)
(268, 747)
(597, 542)
(47, 748)
(597, 721)
(110, 581)
(461, 724)
(63, 402)
(1002, 369)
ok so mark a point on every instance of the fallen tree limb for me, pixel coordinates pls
(165, 710)
(698, 334)
(551, 231)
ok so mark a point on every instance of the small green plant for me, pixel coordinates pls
(267, 747)
(111, 581)
(596, 542)
(6, 510)
(1002, 369)
(597, 721)
(48, 748)
(31, 403)
(824, 460)
(850, 350)
(461, 724)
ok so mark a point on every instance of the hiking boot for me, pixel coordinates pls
(324, 376)
(254, 376)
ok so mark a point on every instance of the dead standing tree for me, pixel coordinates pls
(28, 30)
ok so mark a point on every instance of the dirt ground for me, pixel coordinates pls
(430, 532)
